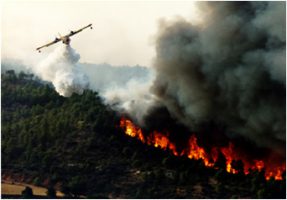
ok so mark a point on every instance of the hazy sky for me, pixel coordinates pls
(123, 30)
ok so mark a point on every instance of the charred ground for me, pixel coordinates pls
(76, 145)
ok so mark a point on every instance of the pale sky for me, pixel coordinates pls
(123, 30)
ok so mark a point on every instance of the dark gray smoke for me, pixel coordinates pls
(229, 70)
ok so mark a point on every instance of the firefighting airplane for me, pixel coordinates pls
(65, 39)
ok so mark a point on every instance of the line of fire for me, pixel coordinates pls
(235, 163)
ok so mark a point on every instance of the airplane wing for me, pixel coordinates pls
(64, 38)
(49, 44)
(77, 31)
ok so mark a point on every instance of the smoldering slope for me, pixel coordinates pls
(229, 70)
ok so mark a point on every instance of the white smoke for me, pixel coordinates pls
(134, 98)
(61, 68)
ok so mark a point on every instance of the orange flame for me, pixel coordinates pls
(193, 151)
(196, 152)
(160, 140)
(228, 153)
(131, 130)
(259, 164)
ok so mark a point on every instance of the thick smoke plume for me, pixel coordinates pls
(229, 70)
(61, 68)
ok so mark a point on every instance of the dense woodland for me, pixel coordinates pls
(76, 146)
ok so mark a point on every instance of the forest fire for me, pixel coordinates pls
(234, 163)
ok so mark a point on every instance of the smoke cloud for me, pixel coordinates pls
(134, 98)
(229, 70)
(124, 88)
(62, 69)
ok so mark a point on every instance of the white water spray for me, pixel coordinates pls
(61, 68)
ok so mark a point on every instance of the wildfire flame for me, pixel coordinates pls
(193, 151)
